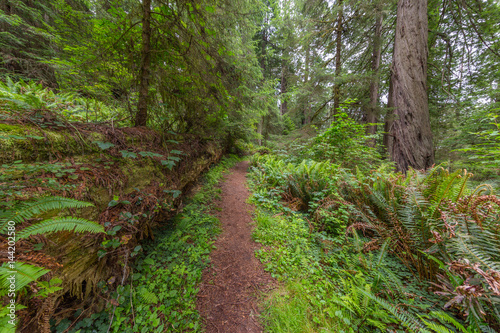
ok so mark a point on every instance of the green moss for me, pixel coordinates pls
(52, 145)
(10, 128)
(99, 196)
(141, 173)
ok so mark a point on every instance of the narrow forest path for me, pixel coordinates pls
(228, 293)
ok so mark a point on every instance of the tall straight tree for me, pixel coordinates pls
(410, 130)
(371, 110)
(338, 52)
(142, 105)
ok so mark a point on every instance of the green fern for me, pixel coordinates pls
(24, 274)
(28, 210)
(435, 327)
(444, 317)
(468, 248)
(60, 224)
(359, 308)
(405, 318)
(147, 296)
(25, 211)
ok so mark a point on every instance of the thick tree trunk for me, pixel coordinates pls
(142, 105)
(338, 64)
(411, 130)
(371, 111)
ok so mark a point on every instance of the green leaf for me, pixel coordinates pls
(104, 145)
(126, 153)
(168, 164)
(17, 137)
(210, 9)
(36, 137)
(149, 154)
(113, 203)
(41, 205)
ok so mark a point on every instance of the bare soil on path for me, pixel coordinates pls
(230, 286)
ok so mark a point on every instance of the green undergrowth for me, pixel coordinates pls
(310, 298)
(374, 251)
(160, 295)
(328, 285)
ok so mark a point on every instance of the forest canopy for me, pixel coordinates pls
(250, 69)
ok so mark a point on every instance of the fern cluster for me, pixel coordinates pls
(434, 218)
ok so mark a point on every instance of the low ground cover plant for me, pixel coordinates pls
(377, 250)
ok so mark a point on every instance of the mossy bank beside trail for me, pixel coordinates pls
(135, 179)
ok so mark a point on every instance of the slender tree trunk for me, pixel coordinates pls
(338, 64)
(307, 109)
(371, 111)
(263, 66)
(389, 119)
(411, 130)
(259, 131)
(284, 86)
(142, 105)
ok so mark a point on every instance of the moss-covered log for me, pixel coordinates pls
(131, 183)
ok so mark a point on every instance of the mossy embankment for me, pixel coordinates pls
(135, 177)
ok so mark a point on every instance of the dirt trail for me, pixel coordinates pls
(227, 297)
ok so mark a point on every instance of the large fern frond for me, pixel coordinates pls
(443, 316)
(467, 249)
(435, 327)
(23, 274)
(60, 224)
(27, 210)
(406, 319)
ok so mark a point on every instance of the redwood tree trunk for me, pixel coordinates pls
(371, 111)
(410, 130)
(142, 105)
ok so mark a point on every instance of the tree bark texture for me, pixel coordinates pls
(142, 105)
(371, 111)
(410, 129)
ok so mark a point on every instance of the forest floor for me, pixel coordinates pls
(231, 285)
